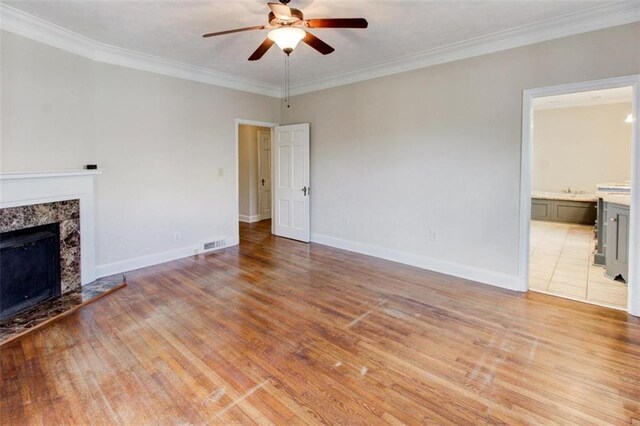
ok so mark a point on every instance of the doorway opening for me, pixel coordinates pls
(254, 154)
(579, 219)
(272, 178)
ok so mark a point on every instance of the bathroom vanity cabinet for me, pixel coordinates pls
(612, 248)
(579, 212)
(617, 241)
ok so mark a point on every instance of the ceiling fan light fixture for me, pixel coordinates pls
(287, 38)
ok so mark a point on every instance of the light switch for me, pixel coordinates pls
(220, 171)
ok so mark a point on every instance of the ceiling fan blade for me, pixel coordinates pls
(237, 30)
(261, 50)
(337, 23)
(281, 11)
(317, 44)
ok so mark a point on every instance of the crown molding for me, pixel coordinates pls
(610, 15)
(15, 21)
(592, 19)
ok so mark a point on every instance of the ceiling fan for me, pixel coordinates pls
(288, 28)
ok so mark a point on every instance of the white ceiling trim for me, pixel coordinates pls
(592, 19)
(600, 17)
(29, 26)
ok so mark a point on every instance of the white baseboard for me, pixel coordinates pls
(510, 282)
(498, 279)
(249, 219)
(157, 258)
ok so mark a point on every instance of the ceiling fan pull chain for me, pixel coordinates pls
(286, 80)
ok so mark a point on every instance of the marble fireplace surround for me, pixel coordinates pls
(63, 197)
(66, 214)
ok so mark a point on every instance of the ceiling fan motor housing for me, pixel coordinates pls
(296, 18)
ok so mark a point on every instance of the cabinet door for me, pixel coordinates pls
(574, 212)
(540, 209)
(617, 241)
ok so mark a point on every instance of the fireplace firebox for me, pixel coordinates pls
(29, 267)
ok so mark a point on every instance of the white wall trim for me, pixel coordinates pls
(484, 276)
(596, 18)
(53, 173)
(18, 22)
(124, 266)
(633, 305)
(592, 19)
(249, 219)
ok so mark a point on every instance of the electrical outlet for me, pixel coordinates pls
(345, 220)
(176, 236)
(433, 235)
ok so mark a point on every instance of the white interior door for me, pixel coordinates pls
(291, 189)
(264, 174)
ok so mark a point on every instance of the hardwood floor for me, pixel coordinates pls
(276, 331)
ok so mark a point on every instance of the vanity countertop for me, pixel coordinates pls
(608, 197)
(564, 196)
(618, 193)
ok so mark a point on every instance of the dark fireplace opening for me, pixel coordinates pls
(29, 267)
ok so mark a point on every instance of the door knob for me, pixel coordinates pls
(305, 190)
(263, 182)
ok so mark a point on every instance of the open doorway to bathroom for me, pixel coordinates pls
(581, 167)
(254, 175)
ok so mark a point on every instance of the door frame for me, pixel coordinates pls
(528, 96)
(248, 122)
(260, 197)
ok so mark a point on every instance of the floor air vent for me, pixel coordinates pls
(212, 245)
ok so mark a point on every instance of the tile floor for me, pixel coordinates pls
(561, 264)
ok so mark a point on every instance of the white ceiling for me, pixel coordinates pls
(397, 28)
(593, 97)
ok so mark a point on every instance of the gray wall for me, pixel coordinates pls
(439, 149)
(392, 159)
(48, 107)
(161, 141)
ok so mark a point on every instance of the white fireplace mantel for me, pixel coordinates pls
(28, 188)
(50, 174)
